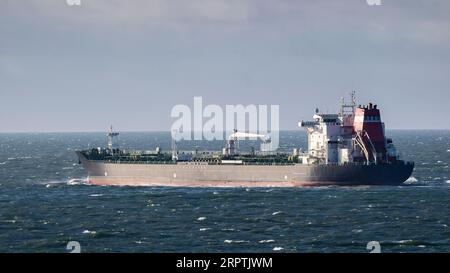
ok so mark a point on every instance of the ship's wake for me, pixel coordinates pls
(411, 180)
(83, 181)
(70, 182)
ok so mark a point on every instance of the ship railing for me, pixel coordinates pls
(269, 163)
(138, 162)
(199, 163)
(250, 163)
(356, 163)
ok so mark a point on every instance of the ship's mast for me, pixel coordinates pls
(174, 146)
(111, 134)
(348, 108)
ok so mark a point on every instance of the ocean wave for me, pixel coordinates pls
(83, 181)
(235, 241)
(404, 242)
(266, 241)
(20, 157)
(96, 195)
(228, 229)
(412, 179)
(409, 242)
(54, 183)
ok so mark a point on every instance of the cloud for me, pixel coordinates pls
(270, 50)
(153, 12)
(10, 67)
(422, 21)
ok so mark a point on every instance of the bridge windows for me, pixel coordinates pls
(372, 118)
(329, 120)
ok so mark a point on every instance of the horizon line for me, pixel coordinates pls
(165, 131)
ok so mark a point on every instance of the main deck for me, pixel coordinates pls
(208, 157)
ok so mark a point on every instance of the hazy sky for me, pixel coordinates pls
(127, 63)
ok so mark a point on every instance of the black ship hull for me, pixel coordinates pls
(353, 174)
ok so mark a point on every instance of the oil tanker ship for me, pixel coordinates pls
(347, 148)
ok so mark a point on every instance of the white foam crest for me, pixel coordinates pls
(412, 179)
(235, 241)
(54, 183)
(266, 241)
(76, 181)
(404, 241)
